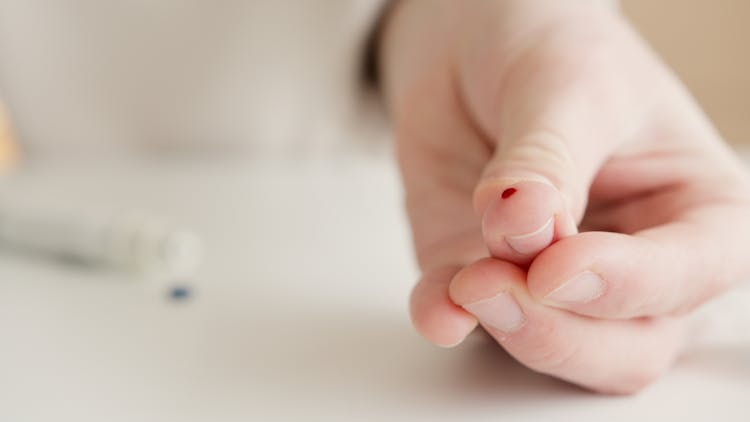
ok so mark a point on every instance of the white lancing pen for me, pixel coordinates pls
(126, 241)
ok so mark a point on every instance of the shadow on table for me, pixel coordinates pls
(355, 354)
(385, 360)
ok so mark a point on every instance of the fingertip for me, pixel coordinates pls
(600, 274)
(489, 190)
(522, 219)
(444, 330)
(434, 315)
(560, 262)
(607, 356)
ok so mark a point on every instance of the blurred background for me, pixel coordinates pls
(705, 42)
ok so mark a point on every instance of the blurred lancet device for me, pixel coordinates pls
(126, 242)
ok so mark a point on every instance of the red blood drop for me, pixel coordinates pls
(507, 193)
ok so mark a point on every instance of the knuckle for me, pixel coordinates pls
(546, 153)
(544, 149)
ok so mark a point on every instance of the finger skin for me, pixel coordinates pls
(524, 219)
(667, 270)
(562, 108)
(433, 313)
(556, 127)
(632, 270)
(617, 357)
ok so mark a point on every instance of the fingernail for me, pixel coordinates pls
(501, 312)
(534, 241)
(582, 288)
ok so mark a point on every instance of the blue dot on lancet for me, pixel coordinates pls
(180, 293)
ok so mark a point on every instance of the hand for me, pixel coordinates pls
(519, 122)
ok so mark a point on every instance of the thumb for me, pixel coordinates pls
(532, 192)
(554, 133)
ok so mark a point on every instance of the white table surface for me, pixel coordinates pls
(300, 312)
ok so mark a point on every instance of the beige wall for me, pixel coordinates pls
(706, 42)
